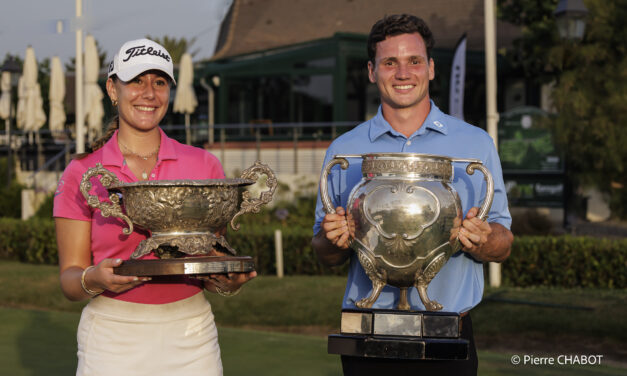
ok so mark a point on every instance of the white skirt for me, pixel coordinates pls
(117, 338)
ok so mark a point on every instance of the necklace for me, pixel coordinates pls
(142, 156)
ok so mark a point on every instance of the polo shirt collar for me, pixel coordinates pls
(112, 156)
(167, 149)
(434, 121)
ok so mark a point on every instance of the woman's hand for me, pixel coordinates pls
(74, 244)
(226, 283)
(101, 277)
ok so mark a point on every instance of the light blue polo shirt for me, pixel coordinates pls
(459, 284)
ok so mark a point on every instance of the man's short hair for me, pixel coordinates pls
(397, 24)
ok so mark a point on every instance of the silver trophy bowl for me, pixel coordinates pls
(187, 215)
(403, 218)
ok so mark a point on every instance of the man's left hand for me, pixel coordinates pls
(486, 242)
(474, 232)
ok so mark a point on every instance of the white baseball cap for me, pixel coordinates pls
(140, 55)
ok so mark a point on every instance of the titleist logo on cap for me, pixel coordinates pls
(142, 50)
(138, 56)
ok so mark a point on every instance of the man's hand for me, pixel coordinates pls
(332, 242)
(335, 227)
(488, 242)
(474, 232)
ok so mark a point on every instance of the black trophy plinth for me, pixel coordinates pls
(395, 334)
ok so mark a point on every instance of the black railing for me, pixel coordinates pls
(44, 150)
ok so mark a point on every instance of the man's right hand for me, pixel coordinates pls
(335, 227)
(332, 242)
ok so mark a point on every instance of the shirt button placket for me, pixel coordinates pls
(406, 145)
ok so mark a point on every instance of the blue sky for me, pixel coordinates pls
(111, 22)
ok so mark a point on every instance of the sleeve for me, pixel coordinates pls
(69, 202)
(499, 211)
(333, 187)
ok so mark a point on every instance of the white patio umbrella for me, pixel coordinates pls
(56, 96)
(20, 112)
(34, 114)
(5, 101)
(5, 96)
(185, 101)
(94, 110)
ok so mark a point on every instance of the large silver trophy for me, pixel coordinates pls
(403, 218)
(184, 217)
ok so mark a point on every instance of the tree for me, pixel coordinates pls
(590, 89)
(176, 47)
(539, 34)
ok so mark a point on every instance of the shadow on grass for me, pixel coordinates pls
(39, 335)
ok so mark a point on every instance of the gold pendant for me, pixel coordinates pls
(144, 176)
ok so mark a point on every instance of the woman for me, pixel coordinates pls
(134, 325)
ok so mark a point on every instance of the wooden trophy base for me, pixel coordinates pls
(186, 266)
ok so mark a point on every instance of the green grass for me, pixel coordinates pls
(290, 301)
(37, 342)
(38, 326)
(44, 343)
(499, 364)
(604, 312)
(253, 352)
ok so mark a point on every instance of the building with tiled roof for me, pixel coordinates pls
(303, 61)
(255, 25)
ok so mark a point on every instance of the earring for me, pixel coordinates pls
(114, 102)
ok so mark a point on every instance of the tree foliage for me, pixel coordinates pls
(537, 23)
(176, 47)
(590, 88)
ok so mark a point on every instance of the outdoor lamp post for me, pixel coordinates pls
(215, 82)
(13, 69)
(570, 16)
(11, 65)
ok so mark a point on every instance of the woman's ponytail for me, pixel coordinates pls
(114, 124)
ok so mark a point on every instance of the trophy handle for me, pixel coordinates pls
(254, 205)
(324, 187)
(487, 203)
(113, 209)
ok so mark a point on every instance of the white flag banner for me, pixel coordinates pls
(458, 76)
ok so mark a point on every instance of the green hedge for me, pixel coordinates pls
(563, 261)
(11, 194)
(31, 241)
(566, 261)
(298, 255)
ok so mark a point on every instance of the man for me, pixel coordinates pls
(400, 64)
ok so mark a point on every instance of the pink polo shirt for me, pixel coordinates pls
(175, 161)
